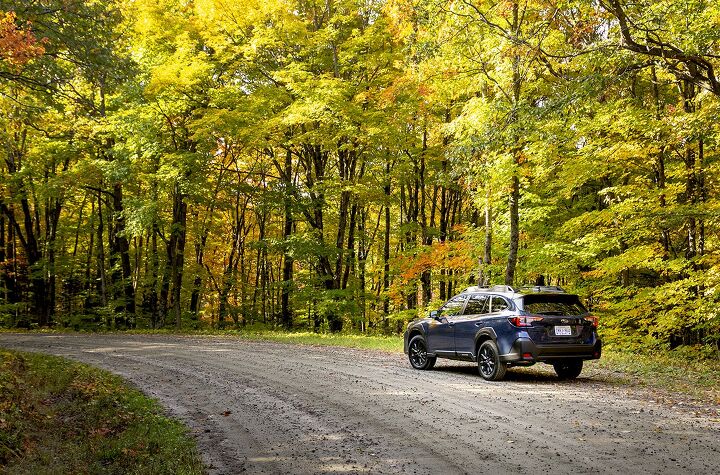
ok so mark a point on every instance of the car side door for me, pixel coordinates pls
(441, 331)
(469, 323)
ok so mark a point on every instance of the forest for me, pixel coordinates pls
(346, 165)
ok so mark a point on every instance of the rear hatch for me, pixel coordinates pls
(562, 319)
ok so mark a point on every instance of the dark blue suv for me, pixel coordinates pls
(500, 326)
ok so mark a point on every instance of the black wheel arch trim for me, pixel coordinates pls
(415, 329)
(485, 332)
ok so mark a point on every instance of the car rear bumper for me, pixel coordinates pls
(526, 351)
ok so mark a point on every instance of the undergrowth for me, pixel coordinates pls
(62, 417)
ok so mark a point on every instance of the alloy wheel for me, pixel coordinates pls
(418, 353)
(486, 361)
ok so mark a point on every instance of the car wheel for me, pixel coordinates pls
(417, 354)
(489, 365)
(569, 369)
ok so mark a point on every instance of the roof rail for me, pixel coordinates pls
(502, 288)
(493, 288)
(475, 288)
(542, 288)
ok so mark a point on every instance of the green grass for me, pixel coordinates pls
(62, 417)
(382, 343)
(392, 343)
(677, 371)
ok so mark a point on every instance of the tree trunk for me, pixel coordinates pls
(197, 281)
(165, 280)
(102, 278)
(31, 228)
(426, 276)
(444, 215)
(122, 247)
(701, 194)
(154, 271)
(691, 188)
(485, 276)
(179, 233)
(314, 161)
(4, 278)
(347, 161)
(363, 249)
(8, 275)
(288, 261)
(660, 177)
(514, 232)
(386, 242)
(350, 259)
(514, 198)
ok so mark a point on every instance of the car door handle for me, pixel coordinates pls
(451, 324)
(478, 324)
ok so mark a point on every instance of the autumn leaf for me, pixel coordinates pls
(18, 44)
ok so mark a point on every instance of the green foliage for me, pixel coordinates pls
(63, 417)
(210, 164)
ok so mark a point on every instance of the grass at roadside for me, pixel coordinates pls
(58, 416)
(675, 371)
(382, 343)
(392, 343)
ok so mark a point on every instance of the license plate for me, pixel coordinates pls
(563, 330)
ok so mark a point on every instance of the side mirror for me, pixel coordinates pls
(435, 315)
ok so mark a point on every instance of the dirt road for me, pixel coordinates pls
(263, 407)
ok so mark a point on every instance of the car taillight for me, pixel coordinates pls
(524, 321)
(592, 320)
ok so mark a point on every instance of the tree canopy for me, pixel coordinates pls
(349, 164)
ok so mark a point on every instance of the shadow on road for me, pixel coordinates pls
(519, 375)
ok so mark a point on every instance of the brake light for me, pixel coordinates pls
(593, 320)
(524, 321)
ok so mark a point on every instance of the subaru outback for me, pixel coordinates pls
(500, 327)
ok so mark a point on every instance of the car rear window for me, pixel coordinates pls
(477, 305)
(553, 304)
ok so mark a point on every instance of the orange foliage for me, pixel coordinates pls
(504, 8)
(454, 255)
(424, 89)
(17, 45)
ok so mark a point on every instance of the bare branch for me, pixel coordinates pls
(698, 70)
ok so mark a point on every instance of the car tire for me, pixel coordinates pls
(489, 365)
(417, 354)
(569, 369)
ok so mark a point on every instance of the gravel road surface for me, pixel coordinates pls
(261, 407)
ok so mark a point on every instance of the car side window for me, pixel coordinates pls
(477, 305)
(453, 307)
(499, 304)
